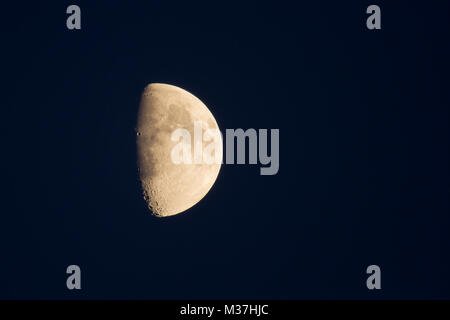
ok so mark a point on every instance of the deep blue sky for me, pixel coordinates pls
(364, 150)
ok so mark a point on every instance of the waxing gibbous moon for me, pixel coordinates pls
(170, 188)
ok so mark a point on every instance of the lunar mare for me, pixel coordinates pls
(170, 188)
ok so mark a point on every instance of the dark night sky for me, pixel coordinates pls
(364, 150)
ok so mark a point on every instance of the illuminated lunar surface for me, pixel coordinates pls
(170, 188)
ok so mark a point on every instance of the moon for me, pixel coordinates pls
(169, 188)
